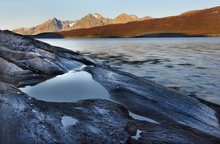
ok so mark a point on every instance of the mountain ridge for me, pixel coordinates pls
(51, 25)
(88, 21)
(204, 22)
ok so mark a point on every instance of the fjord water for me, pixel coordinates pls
(191, 65)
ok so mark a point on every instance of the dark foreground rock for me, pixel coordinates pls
(25, 61)
(167, 134)
(26, 120)
(157, 102)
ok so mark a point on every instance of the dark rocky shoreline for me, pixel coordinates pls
(25, 61)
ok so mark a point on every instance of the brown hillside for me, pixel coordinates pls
(201, 22)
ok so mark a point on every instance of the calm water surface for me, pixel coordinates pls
(69, 87)
(191, 65)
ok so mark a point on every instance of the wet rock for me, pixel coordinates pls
(26, 120)
(166, 133)
(25, 61)
(31, 59)
(157, 102)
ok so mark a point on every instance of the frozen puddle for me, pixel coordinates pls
(68, 121)
(68, 87)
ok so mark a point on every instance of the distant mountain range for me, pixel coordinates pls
(90, 20)
(204, 22)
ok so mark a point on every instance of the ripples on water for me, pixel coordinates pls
(191, 65)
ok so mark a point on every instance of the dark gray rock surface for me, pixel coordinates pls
(25, 61)
(157, 102)
(166, 134)
(26, 120)
(31, 59)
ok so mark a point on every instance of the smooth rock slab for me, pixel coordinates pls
(166, 133)
(25, 61)
(26, 120)
(156, 101)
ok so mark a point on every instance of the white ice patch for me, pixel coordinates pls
(142, 118)
(68, 121)
(137, 135)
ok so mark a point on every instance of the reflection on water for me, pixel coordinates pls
(68, 87)
(191, 65)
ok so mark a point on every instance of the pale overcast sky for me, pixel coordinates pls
(28, 13)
